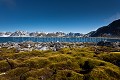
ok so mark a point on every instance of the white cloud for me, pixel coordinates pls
(114, 17)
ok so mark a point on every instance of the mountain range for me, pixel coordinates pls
(39, 34)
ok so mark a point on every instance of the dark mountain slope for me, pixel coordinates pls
(112, 30)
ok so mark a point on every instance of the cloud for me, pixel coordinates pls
(112, 18)
(8, 3)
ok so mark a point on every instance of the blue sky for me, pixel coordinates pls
(80, 16)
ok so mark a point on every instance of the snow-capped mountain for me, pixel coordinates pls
(5, 34)
(19, 34)
(38, 34)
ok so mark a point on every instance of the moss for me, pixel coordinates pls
(60, 58)
(112, 58)
(47, 51)
(6, 50)
(68, 75)
(112, 73)
(4, 66)
(41, 74)
(21, 55)
(3, 78)
(102, 73)
(31, 78)
(37, 62)
(33, 53)
(15, 74)
(65, 64)
(84, 54)
(64, 50)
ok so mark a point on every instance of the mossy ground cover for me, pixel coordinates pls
(65, 64)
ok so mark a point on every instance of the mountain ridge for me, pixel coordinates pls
(111, 30)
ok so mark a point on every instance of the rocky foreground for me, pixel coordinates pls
(85, 63)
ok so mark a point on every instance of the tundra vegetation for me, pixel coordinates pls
(86, 63)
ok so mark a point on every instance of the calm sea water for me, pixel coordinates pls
(56, 39)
